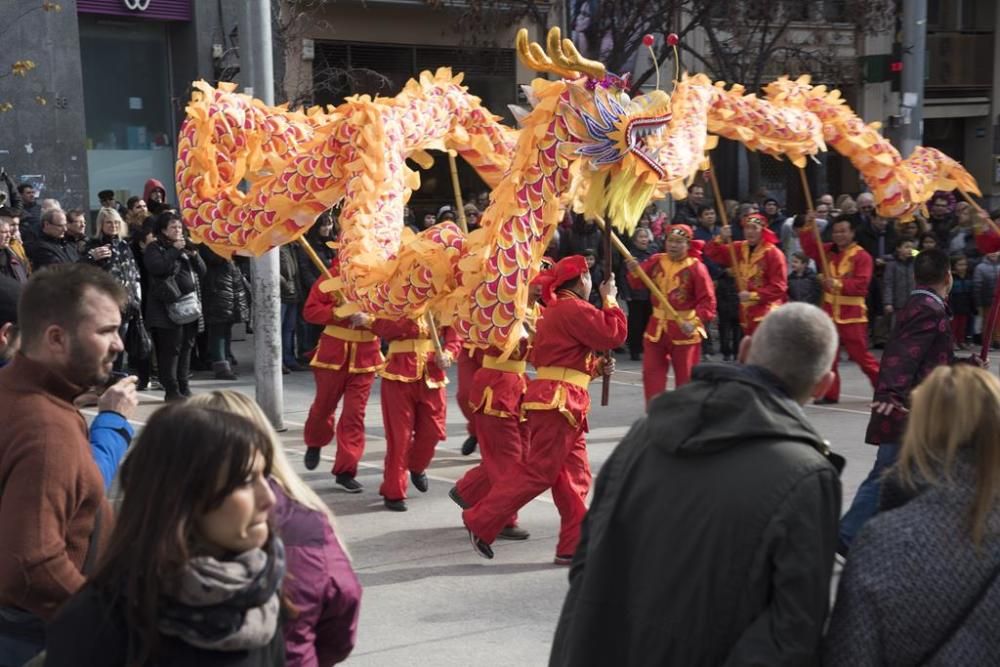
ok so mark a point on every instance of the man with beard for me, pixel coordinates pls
(54, 516)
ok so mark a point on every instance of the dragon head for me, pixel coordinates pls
(614, 135)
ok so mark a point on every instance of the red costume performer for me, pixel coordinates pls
(413, 402)
(684, 279)
(497, 390)
(344, 366)
(761, 272)
(844, 292)
(555, 404)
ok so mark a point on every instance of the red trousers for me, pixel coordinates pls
(467, 368)
(414, 418)
(854, 339)
(656, 360)
(501, 445)
(331, 386)
(556, 458)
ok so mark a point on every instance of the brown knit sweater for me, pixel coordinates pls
(50, 489)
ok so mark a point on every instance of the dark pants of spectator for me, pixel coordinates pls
(638, 318)
(289, 321)
(865, 504)
(173, 356)
(960, 328)
(219, 337)
(879, 324)
(730, 335)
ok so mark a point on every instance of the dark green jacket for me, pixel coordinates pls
(711, 536)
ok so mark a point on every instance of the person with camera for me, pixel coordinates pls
(173, 307)
(110, 252)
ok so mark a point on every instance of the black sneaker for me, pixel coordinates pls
(482, 549)
(457, 499)
(419, 480)
(469, 445)
(312, 458)
(395, 505)
(513, 533)
(349, 484)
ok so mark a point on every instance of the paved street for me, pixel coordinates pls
(427, 597)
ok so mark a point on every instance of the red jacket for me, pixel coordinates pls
(569, 332)
(341, 342)
(851, 269)
(988, 242)
(689, 289)
(411, 351)
(762, 272)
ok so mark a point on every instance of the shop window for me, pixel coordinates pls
(127, 105)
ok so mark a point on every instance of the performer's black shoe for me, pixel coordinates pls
(349, 484)
(395, 505)
(419, 480)
(312, 458)
(826, 401)
(513, 533)
(563, 559)
(457, 499)
(482, 549)
(469, 445)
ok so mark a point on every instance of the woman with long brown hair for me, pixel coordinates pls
(922, 582)
(192, 574)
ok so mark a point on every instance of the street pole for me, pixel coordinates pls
(257, 74)
(912, 79)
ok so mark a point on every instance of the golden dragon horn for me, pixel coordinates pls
(564, 53)
(533, 57)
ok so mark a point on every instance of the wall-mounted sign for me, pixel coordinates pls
(158, 10)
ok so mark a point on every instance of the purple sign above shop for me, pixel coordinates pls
(152, 10)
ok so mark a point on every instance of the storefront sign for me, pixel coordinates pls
(160, 10)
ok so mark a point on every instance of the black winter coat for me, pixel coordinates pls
(47, 251)
(92, 631)
(711, 535)
(225, 299)
(162, 262)
(308, 272)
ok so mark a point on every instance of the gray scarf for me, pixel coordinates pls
(227, 605)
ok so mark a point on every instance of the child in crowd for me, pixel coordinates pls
(961, 300)
(928, 241)
(728, 305)
(803, 283)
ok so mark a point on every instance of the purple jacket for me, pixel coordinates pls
(920, 342)
(320, 584)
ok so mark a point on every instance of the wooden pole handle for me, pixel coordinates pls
(460, 207)
(717, 195)
(819, 240)
(434, 332)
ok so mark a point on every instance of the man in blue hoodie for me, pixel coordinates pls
(711, 536)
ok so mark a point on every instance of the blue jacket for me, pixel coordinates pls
(110, 435)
